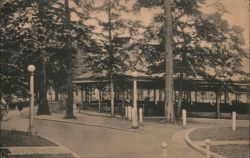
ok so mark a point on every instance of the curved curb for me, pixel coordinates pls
(197, 147)
(62, 146)
(86, 124)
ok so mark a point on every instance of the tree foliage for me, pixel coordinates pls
(113, 54)
(116, 42)
(205, 45)
(34, 30)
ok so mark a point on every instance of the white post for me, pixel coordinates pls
(234, 121)
(184, 117)
(129, 113)
(135, 123)
(140, 115)
(164, 149)
(31, 69)
(208, 142)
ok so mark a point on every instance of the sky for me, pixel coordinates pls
(237, 14)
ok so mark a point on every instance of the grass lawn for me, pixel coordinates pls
(232, 150)
(19, 138)
(220, 134)
(224, 134)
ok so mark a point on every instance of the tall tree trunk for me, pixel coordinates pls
(43, 107)
(81, 94)
(111, 62)
(69, 104)
(169, 107)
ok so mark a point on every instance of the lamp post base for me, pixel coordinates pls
(135, 125)
(30, 131)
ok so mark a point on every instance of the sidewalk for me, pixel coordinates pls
(173, 135)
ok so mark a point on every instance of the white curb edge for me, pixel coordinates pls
(197, 147)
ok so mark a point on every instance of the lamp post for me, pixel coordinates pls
(31, 69)
(135, 123)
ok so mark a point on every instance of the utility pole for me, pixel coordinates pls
(169, 107)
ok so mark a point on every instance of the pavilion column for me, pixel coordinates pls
(85, 94)
(91, 93)
(123, 98)
(101, 94)
(185, 95)
(189, 96)
(163, 95)
(99, 100)
(217, 104)
(160, 95)
(225, 96)
(135, 123)
(155, 96)
(138, 95)
(149, 94)
(128, 94)
(131, 94)
(195, 95)
(202, 96)
(81, 94)
(142, 94)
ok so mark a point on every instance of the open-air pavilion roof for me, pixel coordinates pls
(146, 81)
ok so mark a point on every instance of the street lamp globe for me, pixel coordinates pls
(31, 68)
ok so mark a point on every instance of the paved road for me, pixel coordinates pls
(92, 141)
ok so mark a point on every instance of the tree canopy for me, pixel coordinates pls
(205, 45)
(33, 32)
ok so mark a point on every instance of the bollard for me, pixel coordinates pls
(208, 142)
(164, 149)
(140, 115)
(126, 111)
(234, 121)
(129, 113)
(184, 117)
